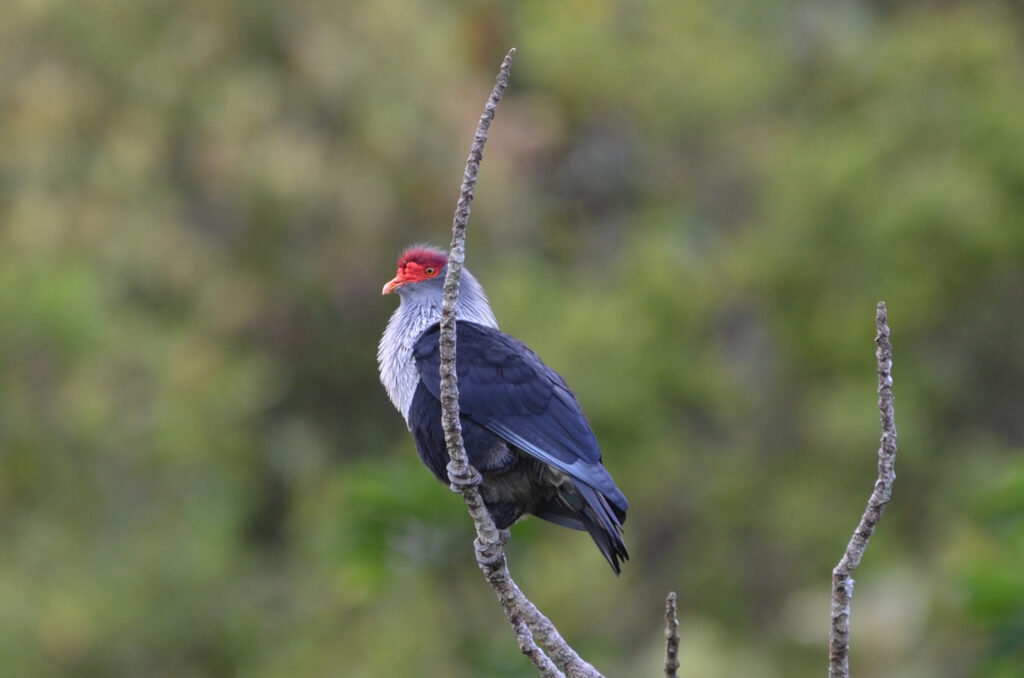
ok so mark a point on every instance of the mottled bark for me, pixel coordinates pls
(529, 624)
(671, 635)
(842, 575)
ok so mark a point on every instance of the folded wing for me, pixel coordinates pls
(504, 387)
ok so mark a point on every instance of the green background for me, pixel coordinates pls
(689, 209)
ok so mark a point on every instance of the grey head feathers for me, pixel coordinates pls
(418, 309)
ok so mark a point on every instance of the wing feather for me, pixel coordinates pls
(506, 388)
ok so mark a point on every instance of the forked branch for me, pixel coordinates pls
(538, 638)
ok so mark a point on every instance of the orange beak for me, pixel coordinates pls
(393, 284)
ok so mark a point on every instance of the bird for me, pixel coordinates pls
(522, 427)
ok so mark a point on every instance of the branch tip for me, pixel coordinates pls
(671, 635)
(842, 575)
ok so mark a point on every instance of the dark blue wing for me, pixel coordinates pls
(504, 387)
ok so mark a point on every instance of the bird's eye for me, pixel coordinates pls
(430, 270)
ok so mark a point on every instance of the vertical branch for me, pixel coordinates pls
(465, 478)
(842, 575)
(671, 635)
(525, 618)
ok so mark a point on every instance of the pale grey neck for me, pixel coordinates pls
(420, 307)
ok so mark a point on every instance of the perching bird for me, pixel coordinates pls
(522, 427)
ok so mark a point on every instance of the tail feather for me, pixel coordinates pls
(610, 544)
(604, 526)
(583, 508)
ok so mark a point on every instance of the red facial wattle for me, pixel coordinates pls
(416, 265)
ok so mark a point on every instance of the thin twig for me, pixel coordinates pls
(526, 620)
(842, 575)
(671, 635)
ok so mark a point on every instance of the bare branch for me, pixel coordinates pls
(525, 618)
(842, 575)
(671, 635)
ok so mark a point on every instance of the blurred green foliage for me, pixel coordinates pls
(689, 209)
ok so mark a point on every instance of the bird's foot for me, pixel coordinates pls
(462, 477)
(489, 556)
